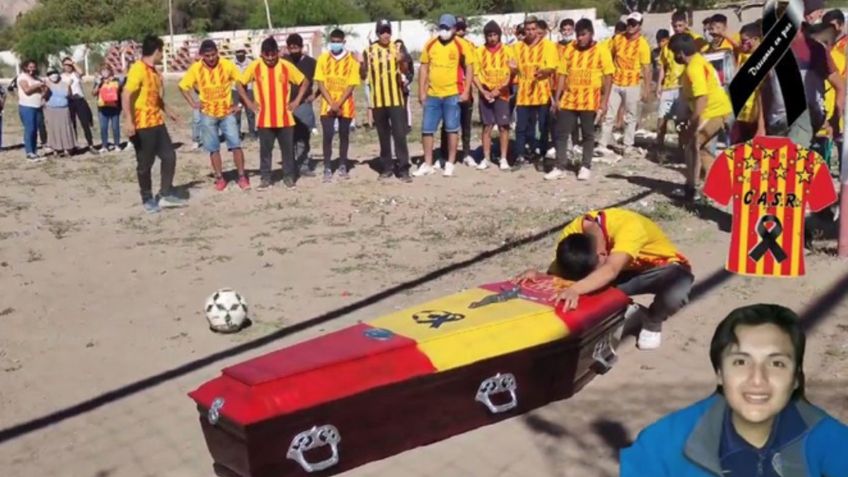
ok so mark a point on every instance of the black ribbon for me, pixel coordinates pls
(768, 240)
(772, 55)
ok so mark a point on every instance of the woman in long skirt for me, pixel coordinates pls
(57, 115)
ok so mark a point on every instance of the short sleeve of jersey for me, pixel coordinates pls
(249, 72)
(469, 53)
(295, 76)
(630, 239)
(644, 52)
(319, 68)
(697, 72)
(232, 71)
(190, 78)
(134, 78)
(607, 66)
(822, 193)
(550, 55)
(353, 77)
(719, 183)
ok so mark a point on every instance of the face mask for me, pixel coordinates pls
(567, 37)
(54, 78)
(708, 36)
(445, 34)
(336, 48)
(240, 58)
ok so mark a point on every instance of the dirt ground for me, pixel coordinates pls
(103, 333)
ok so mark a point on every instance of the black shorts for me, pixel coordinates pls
(496, 113)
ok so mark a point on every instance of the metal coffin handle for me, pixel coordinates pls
(499, 383)
(604, 355)
(315, 438)
(214, 413)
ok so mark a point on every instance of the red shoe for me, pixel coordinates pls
(220, 184)
(244, 183)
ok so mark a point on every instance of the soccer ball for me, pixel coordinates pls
(226, 311)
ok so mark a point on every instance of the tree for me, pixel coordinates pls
(39, 45)
(288, 13)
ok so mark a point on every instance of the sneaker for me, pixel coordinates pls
(47, 150)
(342, 172)
(151, 206)
(244, 183)
(503, 164)
(424, 170)
(555, 174)
(328, 176)
(264, 184)
(220, 184)
(437, 165)
(469, 161)
(34, 158)
(289, 182)
(110, 148)
(93, 151)
(484, 164)
(170, 201)
(584, 174)
(405, 177)
(551, 154)
(449, 168)
(649, 340)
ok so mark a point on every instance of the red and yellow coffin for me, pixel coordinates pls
(406, 379)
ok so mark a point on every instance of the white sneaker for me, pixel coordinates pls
(437, 166)
(424, 170)
(469, 161)
(554, 175)
(448, 170)
(484, 164)
(503, 164)
(551, 154)
(649, 340)
(584, 174)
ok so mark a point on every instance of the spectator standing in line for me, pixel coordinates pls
(406, 80)
(493, 80)
(242, 63)
(383, 66)
(107, 90)
(80, 110)
(304, 115)
(57, 115)
(2, 106)
(31, 91)
(466, 108)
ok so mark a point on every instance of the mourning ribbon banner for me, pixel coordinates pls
(772, 55)
(768, 240)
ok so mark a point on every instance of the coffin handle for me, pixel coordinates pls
(499, 383)
(214, 413)
(604, 355)
(315, 438)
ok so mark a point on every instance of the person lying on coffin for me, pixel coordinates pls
(622, 248)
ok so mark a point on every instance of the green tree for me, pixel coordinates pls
(288, 13)
(201, 16)
(38, 45)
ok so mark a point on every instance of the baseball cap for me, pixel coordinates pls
(447, 20)
(208, 45)
(383, 25)
(634, 16)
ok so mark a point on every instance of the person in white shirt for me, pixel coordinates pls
(31, 91)
(80, 110)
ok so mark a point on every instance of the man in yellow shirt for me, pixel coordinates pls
(584, 80)
(439, 91)
(622, 248)
(213, 77)
(466, 108)
(337, 75)
(631, 55)
(537, 61)
(709, 109)
(750, 121)
(144, 115)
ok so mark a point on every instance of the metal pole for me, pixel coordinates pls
(171, 27)
(268, 15)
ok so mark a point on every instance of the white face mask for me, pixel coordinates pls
(445, 34)
(567, 37)
(54, 78)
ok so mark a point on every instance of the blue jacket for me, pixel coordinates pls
(686, 444)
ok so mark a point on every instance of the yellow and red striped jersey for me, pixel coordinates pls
(147, 107)
(584, 71)
(771, 181)
(493, 68)
(532, 58)
(337, 75)
(272, 90)
(214, 85)
(629, 57)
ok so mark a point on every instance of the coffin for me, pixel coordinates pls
(406, 379)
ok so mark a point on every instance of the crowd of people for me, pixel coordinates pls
(563, 99)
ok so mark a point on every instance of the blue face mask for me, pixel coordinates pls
(336, 48)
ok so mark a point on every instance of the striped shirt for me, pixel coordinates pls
(584, 72)
(531, 59)
(214, 86)
(384, 76)
(147, 107)
(769, 176)
(271, 91)
(493, 68)
(629, 57)
(337, 75)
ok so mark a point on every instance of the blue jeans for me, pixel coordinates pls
(30, 117)
(196, 126)
(110, 117)
(213, 128)
(526, 119)
(437, 110)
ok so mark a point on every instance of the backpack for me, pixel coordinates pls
(109, 93)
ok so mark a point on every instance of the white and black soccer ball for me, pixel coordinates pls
(226, 311)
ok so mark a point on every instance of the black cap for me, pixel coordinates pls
(492, 27)
(269, 45)
(383, 25)
(208, 45)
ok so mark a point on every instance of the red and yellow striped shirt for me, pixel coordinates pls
(147, 107)
(629, 57)
(769, 176)
(214, 85)
(337, 75)
(493, 68)
(272, 91)
(584, 72)
(530, 59)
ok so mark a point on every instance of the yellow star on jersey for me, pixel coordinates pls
(750, 163)
(804, 175)
(780, 171)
